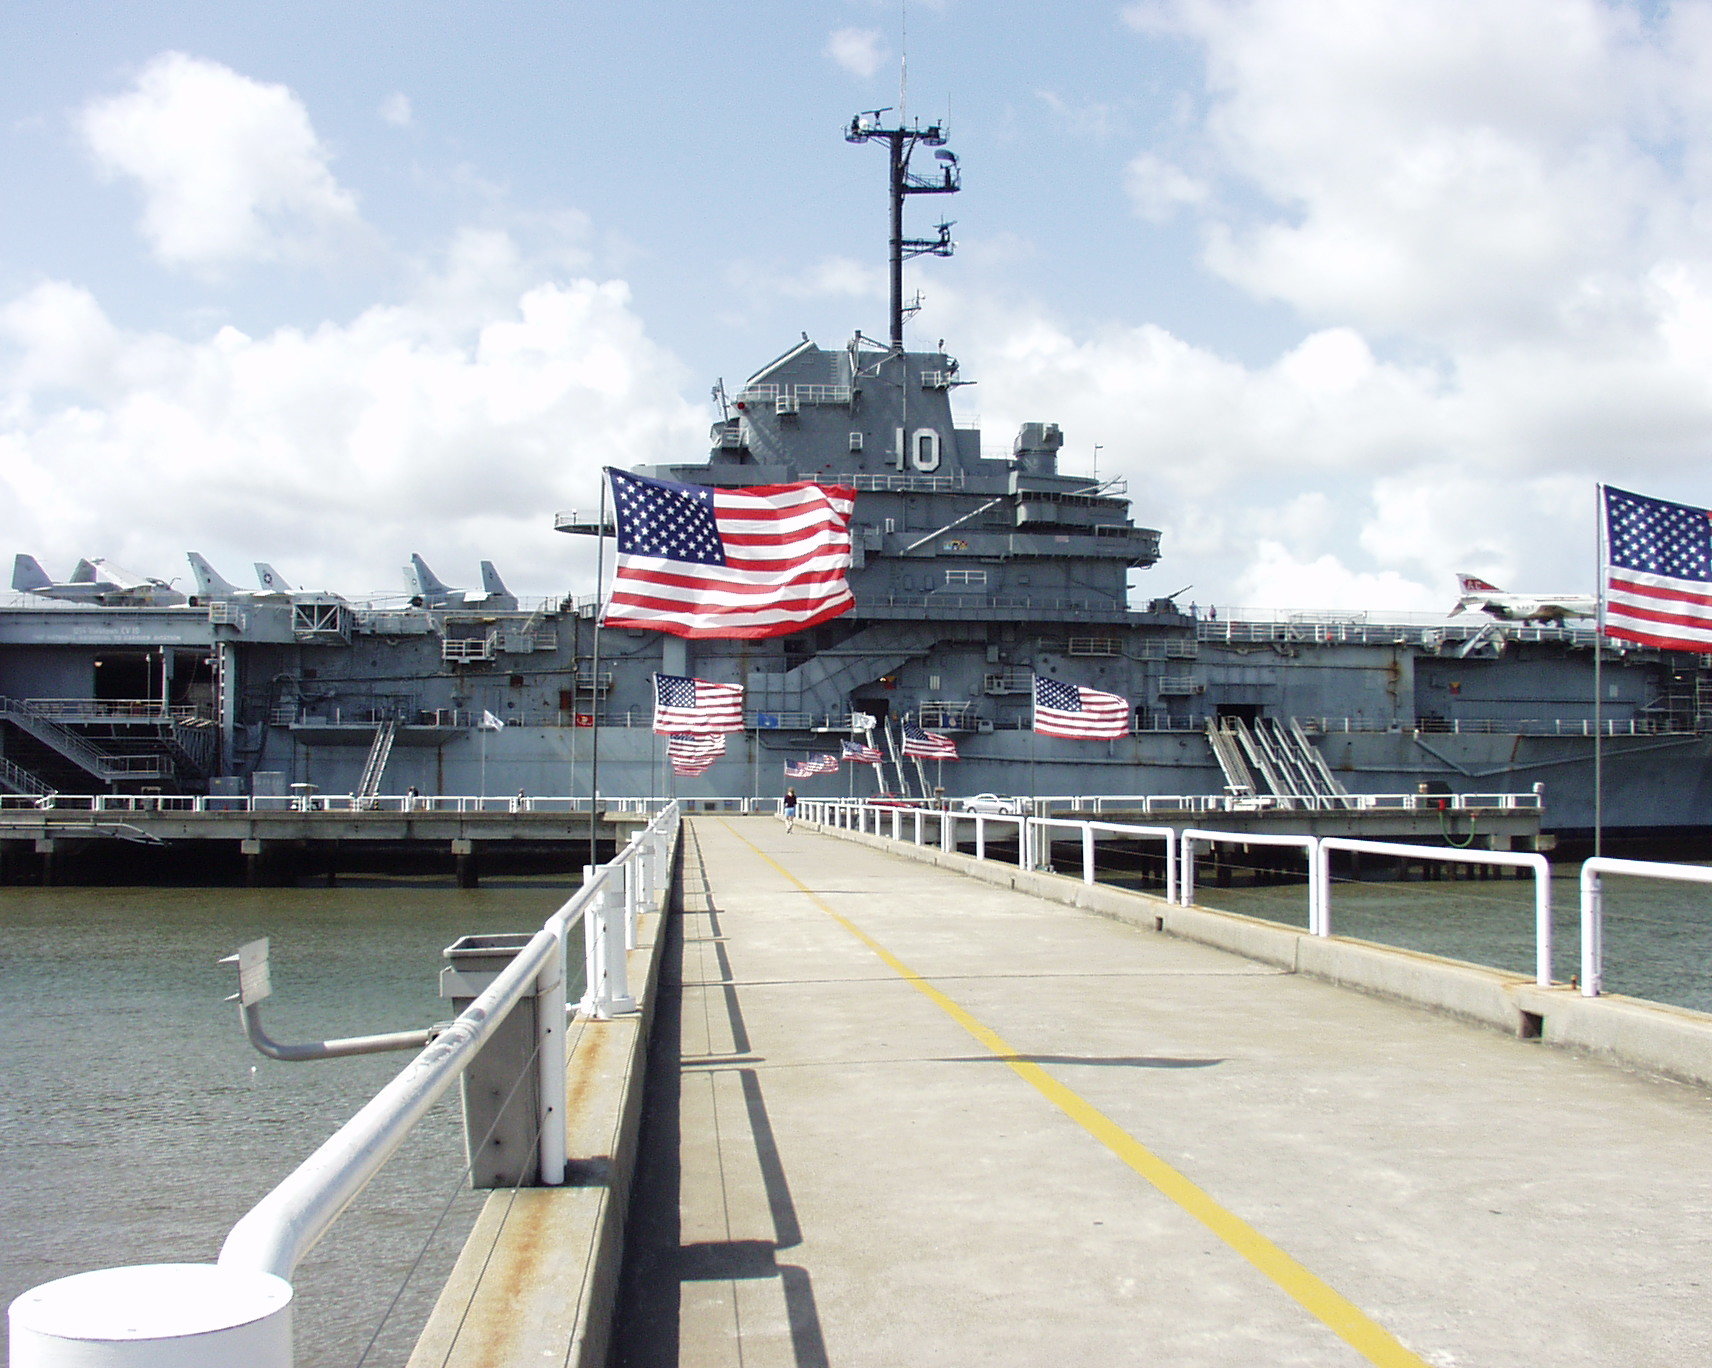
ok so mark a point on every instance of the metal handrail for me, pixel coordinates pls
(286, 1224)
(1593, 907)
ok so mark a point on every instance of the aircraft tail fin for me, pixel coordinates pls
(1473, 589)
(423, 580)
(270, 579)
(491, 582)
(209, 582)
(84, 572)
(28, 575)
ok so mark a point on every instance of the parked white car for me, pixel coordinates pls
(997, 806)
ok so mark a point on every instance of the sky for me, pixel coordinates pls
(1355, 294)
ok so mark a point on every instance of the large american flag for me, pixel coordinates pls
(1078, 713)
(928, 745)
(858, 754)
(691, 754)
(682, 704)
(1658, 580)
(801, 769)
(700, 562)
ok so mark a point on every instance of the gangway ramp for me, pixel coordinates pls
(897, 1115)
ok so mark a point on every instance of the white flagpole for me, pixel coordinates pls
(1603, 572)
(594, 665)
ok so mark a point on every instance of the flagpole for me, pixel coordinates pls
(1599, 677)
(594, 683)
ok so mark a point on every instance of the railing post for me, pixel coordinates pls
(1592, 932)
(550, 1033)
(1088, 853)
(947, 830)
(918, 817)
(1186, 870)
(633, 889)
(185, 1315)
(980, 837)
(608, 991)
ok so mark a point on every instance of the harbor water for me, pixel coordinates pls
(1658, 935)
(137, 1124)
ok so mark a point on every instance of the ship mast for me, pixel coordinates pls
(901, 142)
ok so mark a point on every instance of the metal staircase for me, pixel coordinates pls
(104, 765)
(375, 766)
(1282, 755)
(17, 779)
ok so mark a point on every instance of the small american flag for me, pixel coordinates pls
(682, 704)
(1658, 583)
(928, 745)
(1080, 714)
(824, 764)
(801, 769)
(701, 562)
(858, 754)
(692, 755)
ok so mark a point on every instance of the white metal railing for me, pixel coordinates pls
(1538, 864)
(1593, 907)
(1191, 837)
(239, 1310)
(1033, 850)
(382, 804)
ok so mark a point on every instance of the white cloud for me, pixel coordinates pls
(1159, 189)
(861, 52)
(429, 425)
(230, 169)
(395, 110)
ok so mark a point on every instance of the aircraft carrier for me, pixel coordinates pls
(973, 572)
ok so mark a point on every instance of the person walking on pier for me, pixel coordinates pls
(789, 808)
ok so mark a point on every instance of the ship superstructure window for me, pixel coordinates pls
(961, 578)
(924, 449)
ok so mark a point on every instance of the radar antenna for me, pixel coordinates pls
(902, 141)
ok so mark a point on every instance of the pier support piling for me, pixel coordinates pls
(464, 855)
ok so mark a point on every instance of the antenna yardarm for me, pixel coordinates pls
(902, 141)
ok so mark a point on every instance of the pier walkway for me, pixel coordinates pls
(897, 1115)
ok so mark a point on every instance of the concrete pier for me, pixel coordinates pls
(897, 1115)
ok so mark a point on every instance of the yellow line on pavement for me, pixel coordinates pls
(1342, 1316)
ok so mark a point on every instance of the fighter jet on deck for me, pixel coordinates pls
(97, 581)
(1482, 597)
(213, 587)
(427, 591)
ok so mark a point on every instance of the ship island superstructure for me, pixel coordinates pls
(973, 572)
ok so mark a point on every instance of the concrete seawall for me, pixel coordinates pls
(1672, 1041)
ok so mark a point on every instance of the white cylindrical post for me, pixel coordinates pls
(897, 824)
(632, 900)
(608, 990)
(947, 831)
(1592, 933)
(1087, 853)
(980, 837)
(1542, 922)
(1186, 868)
(550, 1061)
(154, 1316)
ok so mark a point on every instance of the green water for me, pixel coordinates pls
(1658, 936)
(137, 1125)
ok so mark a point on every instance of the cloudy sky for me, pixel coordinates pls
(1355, 293)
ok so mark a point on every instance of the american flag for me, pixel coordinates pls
(823, 764)
(700, 562)
(685, 747)
(1078, 713)
(858, 754)
(682, 704)
(1658, 586)
(801, 769)
(928, 745)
